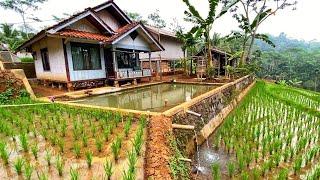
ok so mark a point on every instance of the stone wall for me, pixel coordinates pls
(208, 107)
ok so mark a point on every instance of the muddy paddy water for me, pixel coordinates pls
(205, 157)
(155, 98)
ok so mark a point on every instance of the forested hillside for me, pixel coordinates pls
(292, 61)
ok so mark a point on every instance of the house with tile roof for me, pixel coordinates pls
(98, 45)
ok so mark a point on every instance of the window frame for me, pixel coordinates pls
(86, 45)
(47, 67)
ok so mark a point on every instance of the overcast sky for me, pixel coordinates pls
(300, 24)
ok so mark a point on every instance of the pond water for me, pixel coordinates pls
(154, 98)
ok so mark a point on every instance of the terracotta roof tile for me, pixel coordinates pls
(82, 34)
(121, 31)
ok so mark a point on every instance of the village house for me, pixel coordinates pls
(96, 46)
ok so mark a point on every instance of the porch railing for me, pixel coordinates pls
(129, 73)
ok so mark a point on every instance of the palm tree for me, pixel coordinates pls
(11, 37)
(203, 26)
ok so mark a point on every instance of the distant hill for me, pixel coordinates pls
(283, 43)
(292, 60)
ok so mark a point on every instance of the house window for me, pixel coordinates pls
(127, 59)
(85, 56)
(45, 59)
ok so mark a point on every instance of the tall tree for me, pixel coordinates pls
(250, 15)
(156, 20)
(203, 26)
(22, 7)
(136, 17)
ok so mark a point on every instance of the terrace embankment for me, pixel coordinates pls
(209, 105)
(158, 151)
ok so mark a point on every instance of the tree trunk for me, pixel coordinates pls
(207, 34)
(25, 25)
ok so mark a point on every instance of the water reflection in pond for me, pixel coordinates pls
(156, 98)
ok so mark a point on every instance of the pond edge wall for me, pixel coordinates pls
(209, 105)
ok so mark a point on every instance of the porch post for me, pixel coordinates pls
(115, 63)
(150, 65)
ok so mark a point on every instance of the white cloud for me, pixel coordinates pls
(300, 24)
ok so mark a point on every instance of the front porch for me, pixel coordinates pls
(126, 65)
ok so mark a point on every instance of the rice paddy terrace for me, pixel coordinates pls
(273, 134)
(60, 142)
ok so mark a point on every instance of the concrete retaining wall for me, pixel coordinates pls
(28, 68)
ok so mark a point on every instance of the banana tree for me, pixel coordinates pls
(189, 41)
(203, 26)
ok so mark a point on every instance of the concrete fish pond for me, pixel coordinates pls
(154, 98)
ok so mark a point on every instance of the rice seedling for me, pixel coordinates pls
(231, 169)
(138, 141)
(107, 133)
(256, 173)
(35, 151)
(28, 170)
(128, 175)
(216, 173)
(283, 174)
(24, 142)
(297, 165)
(127, 127)
(108, 169)
(74, 174)
(99, 144)
(132, 158)
(89, 157)
(59, 165)
(85, 140)
(42, 176)
(18, 165)
(48, 157)
(77, 150)
(4, 154)
(116, 147)
(60, 143)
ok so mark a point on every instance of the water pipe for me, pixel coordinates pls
(194, 113)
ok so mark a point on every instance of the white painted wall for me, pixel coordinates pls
(109, 19)
(83, 25)
(56, 59)
(172, 49)
(80, 75)
(139, 43)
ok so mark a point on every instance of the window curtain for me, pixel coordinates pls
(77, 58)
(95, 58)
